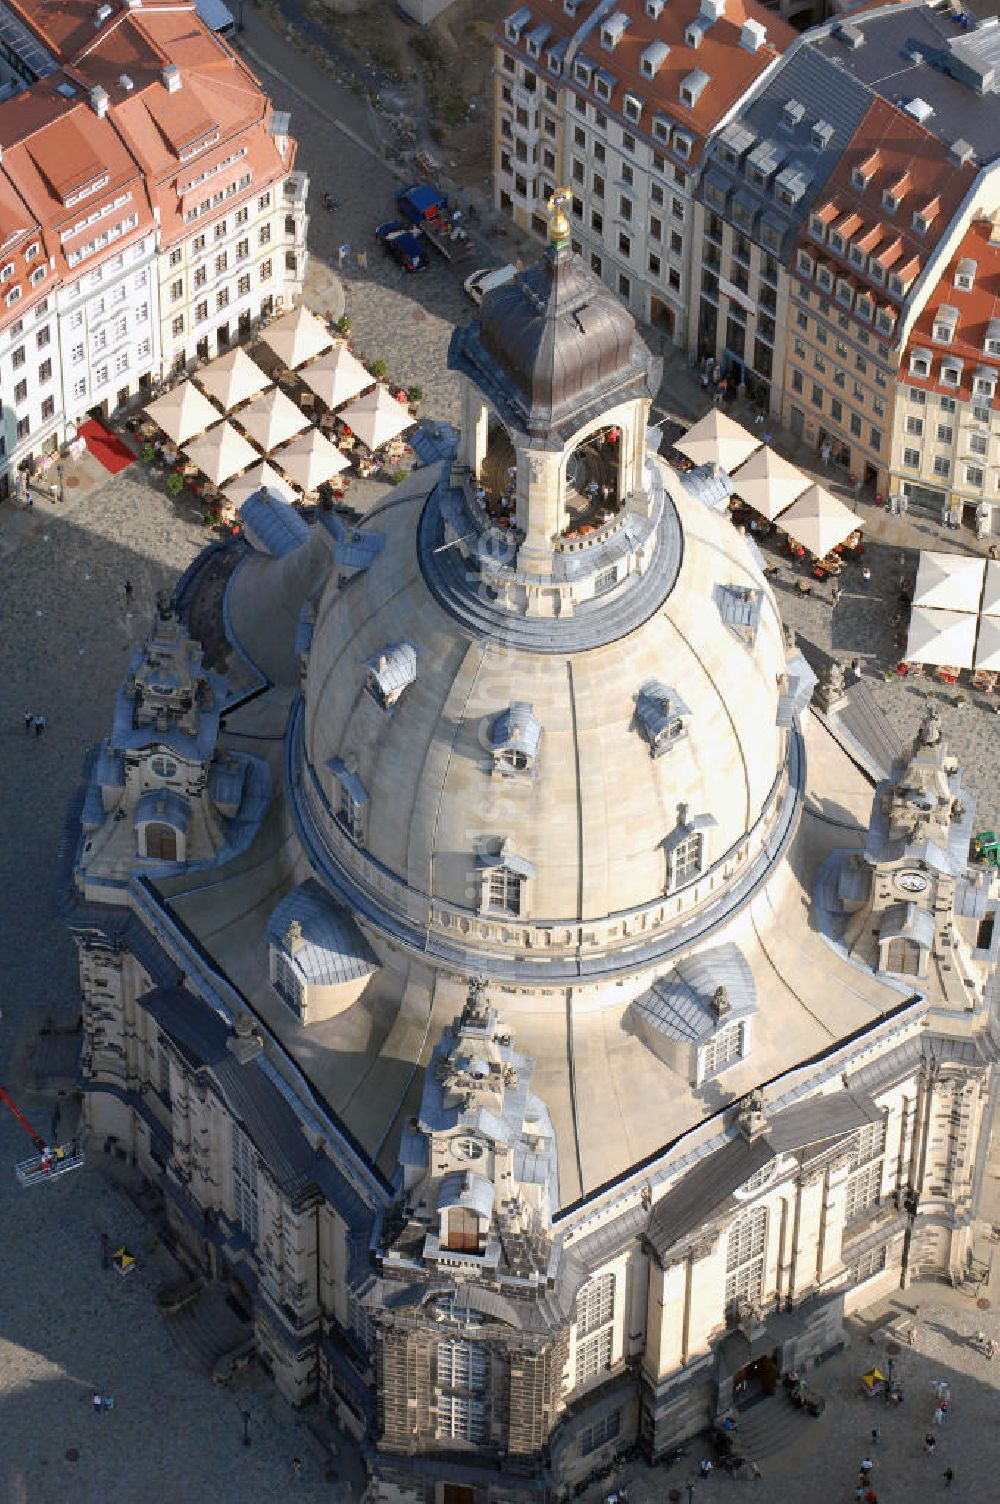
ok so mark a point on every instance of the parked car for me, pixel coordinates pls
(478, 284)
(403, 244)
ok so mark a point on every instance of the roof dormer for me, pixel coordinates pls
(613, 29)
(515, 737)
(389, 672)
(515, 24)
(661, 715)
(693, 87)
(653, 58)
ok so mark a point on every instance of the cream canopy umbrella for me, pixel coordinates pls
(716, 437)
(271, 419)
(336, 376)
(944, 637)
(183, 412)
(768, 483)
(233, 378)
(376, 417)
(253, 480)
(950, 582)
(310, 459)
(818, 521)
(221, 452)
(988, 646)
(991, 589)
(297, 336)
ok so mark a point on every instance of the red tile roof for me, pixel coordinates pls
(731, 69)
(976, 311)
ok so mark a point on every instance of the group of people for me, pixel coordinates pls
(33, 722)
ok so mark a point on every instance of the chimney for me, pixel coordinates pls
(712, 10)
(294, 939)
(99, 101)
(171, 77)
(753, 36)
(101, 15)
(961, 151)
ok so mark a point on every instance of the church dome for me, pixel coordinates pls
(619, 783)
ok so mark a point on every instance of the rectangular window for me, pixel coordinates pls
(600, 1433)
(624, 244)
(593, 1355)
(21, 392)
(48, 408)
(942, 467)
(45, 374)
(80, 387)
(243, 286)
(915, 426)
(461, 1417)
(973, 475)
(43, 337)
(264, 235)
(724, 1048)
(245, 1203)
(837, 410)
(201, 313)
(911, 458)
(816, 395)
(978, 443)
(864, 1191)
(867, 1266)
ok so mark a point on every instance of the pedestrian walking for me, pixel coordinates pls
(690, 1489)
(705, 1467)
(129, 592)
(297, 1466)
(866, 576)
(866, 1468)
(29, 721)
(836, 595)
(948, 1476)
(859, 1494)
(939, 1416)
(876, 1435)
(754, 1471)
(855, 668)
(40, 724)
(929, 1444)
(98, 1403)
(105, 1261)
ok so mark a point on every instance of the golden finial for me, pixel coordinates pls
(559, 229)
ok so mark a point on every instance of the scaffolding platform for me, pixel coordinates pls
(49, 1166)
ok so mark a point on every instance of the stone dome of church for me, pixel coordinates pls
(579, 770)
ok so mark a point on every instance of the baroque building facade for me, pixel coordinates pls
(466, 955)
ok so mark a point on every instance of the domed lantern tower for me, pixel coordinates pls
(555, 404)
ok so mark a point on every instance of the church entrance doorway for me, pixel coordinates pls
(757, 1379)
(457, 1493)
(661, 316)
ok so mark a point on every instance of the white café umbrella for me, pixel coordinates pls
(818, 521)
(950, 582)
(376, 417)
(943, 637)
(233, 378)
(336, 376)
(310, 459)
(988, 645)
(768, 483)
(221, 452)
(717, 437)
(272, 419)
(183, 412)
(991, 589)
(297, 336)
(258, 477)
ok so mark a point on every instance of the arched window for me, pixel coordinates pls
(745, 1251)
(161, 842)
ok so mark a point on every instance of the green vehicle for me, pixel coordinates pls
(986, 848)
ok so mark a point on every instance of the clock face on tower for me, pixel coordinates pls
(467, 1149)
(911, 881)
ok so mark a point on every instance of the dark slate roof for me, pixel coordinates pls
(703, 1189)
(272, 524)
(304, 629)
(551, 344)
(226, 781)
(817, 1119)
(828, 93)
(739, 606)
(679, 1004)
(109, 771)
(884, 64)
(865, 732)
(333, 950)
(394, 667)
(801, 683)
(466, 1189)
(255, 1100)
(708, 484)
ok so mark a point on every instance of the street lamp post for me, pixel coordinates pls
(246, 1427)
(60, 472)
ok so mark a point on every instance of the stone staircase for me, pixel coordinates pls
(773, 1425)
(207, 1328)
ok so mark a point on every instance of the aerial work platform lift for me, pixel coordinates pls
(48, 1162)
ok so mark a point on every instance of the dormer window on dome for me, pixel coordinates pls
(686, 848)
(697, 1017)
(504, 882)
(661, 716)
(350, 798)
(319, 961)
(514, 740)
(389, 672)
